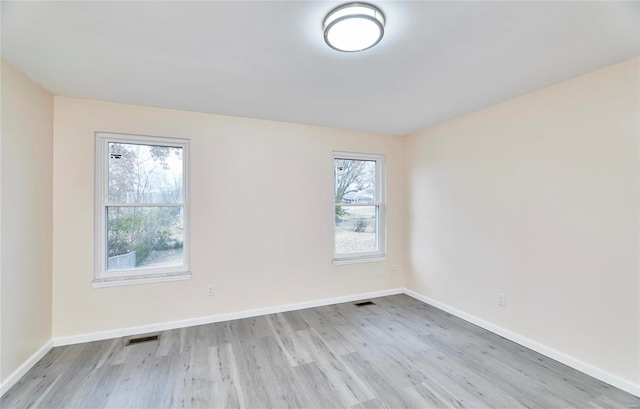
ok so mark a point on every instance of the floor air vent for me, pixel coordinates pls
(134, 341)
(364, 303)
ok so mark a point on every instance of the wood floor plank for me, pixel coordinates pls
(336, 341)
(386, 385)
(370, 404)
(132, 389)
(314, 317)
(224, 381)
(351, 389)
(294, 319)
(214, 334)
(433, 398)
(332, 315)
(32, 386)
(97, 389)
(289, 341)
(398, 353)
(75, 374)
(178, 393)
(322, 392)
(249, 328)
(349, 314)
(279, 375)
(201, 378)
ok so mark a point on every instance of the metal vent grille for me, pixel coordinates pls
(364, 303)
(140, 340)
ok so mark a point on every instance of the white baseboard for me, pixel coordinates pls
(26, 365)
(568, 360)
(163, 326)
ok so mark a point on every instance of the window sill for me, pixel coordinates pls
(148, 279)
(358, 260)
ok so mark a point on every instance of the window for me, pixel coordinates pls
(359, 221)
(141, 216)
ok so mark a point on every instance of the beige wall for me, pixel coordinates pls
(261, 216)
(25, 218)
(537, 198)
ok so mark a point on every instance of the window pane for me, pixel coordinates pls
(355, 181)
(144, 173)
(355, 229)
(142, 237)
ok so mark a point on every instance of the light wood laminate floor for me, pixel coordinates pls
(399, 353)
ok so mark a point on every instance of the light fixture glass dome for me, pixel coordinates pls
(353, 27)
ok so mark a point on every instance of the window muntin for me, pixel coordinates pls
(358, 206)
(141, 207)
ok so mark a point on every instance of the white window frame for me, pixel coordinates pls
(102, 277)
(380, 203)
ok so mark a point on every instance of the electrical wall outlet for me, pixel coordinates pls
(378, 271)
(502, 300)
(210, 290)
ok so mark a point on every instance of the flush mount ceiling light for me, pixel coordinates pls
(353, 27)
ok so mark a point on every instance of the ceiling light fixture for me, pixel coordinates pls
(353, 27)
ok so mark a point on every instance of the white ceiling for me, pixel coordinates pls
(268, 59)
